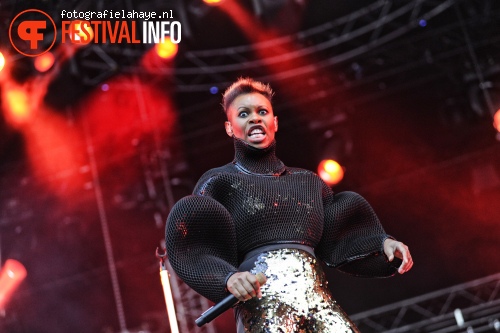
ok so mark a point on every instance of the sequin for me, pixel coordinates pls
(295, 298)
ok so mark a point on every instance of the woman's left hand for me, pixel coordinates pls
(394, 248)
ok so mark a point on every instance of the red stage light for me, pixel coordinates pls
(330, 171)
(166, 49)
(44, 62)
(11, 275)
(2, 61)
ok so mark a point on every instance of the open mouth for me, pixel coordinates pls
(256, 131)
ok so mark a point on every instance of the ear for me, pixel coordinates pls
(276, 123)
(229, 128)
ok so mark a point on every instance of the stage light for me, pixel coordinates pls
(44, 62)
(17, 105)
(213, 2)
(11, 275)
(496, 120)
(81, 32)
(167, 292)
(2, 61)
(330, 171)
(166, 49)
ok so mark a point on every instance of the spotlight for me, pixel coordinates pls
(11, 275)
(44, 62)
(2, 61)
(17, 105)
(496, 120)
(213, 2)
(330, 171)
(166, 49)
(81, 32)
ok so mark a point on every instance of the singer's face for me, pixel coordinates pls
(250, 118)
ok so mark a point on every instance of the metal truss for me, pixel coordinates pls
(334, 42)
(472, 307)
(384, 48)
(331, 43)
(354, 41)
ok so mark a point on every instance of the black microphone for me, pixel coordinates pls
(223, 305)
(216, 310)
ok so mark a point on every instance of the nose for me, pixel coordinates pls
(255, 118)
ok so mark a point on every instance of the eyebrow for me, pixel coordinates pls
(252, 106)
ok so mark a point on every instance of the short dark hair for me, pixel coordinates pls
(245, 86)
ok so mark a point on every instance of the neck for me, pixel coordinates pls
(255, 160)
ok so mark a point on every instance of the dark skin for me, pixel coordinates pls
(250, 117)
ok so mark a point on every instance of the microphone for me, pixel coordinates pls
(223, 305)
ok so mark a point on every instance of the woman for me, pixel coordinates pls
(257, 215)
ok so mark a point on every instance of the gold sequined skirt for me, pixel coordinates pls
(295, 298)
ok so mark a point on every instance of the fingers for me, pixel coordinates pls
(244, 286)
(389, 248)
(403, 252)
(393, 248)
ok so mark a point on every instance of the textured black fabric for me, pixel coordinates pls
(201, 244)
(262, 202)
(258, 161)
(353, 237)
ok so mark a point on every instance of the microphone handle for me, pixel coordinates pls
(216, 310)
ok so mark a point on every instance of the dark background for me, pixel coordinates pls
(115, 136)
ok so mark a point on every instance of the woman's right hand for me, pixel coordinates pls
(245, 285)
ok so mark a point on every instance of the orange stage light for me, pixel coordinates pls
(213, 2)
(496, 120)
(11, 275)
(2, 61)
(330, 171)
(81, 32)
(44, 62)
(166, 49)
(17, 105)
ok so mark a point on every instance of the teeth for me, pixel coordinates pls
(256, 131)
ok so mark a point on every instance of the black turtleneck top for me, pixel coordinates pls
(256, 201)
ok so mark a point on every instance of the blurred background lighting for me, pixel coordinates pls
(213, 2)
(44, 62)
(11, 276)
(83, 32)
(2, 61)
(166, 49)
(17, 105)
(330, 171)
(496, 120)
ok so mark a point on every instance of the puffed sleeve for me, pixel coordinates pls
(201, 244)
(352, 239)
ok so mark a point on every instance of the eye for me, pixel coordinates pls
(263, 112)
(243, 114)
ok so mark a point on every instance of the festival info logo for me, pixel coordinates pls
(32, 32)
